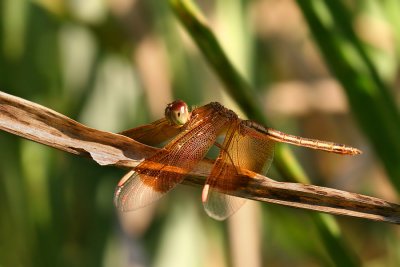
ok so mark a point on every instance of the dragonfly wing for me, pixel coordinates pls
(220, 206)
(153, 134)
(158, 174)
(239, 150)
(132, 193)
(253, 152)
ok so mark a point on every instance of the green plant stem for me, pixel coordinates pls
(370, 100)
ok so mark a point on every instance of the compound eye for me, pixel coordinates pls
(177, 113)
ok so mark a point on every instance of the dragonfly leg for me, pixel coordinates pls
(230, 158)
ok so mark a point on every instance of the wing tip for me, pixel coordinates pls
(132, 194)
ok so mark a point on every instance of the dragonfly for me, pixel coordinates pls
(246, 145)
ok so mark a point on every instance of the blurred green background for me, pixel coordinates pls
(319, 69)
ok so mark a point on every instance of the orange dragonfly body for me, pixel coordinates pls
(247, 145)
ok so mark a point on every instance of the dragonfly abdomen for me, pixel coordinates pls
(301, 141)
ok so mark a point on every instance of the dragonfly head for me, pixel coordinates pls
(177, 113)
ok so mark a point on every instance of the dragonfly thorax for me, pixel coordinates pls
(223, 110)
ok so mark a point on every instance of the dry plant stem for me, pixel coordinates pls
(45, 126)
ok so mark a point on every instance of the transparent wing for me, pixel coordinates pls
(239, 150)
(132, 193)
(153, 134)
(158, 174)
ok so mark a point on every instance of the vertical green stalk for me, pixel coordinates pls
(370, 100)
